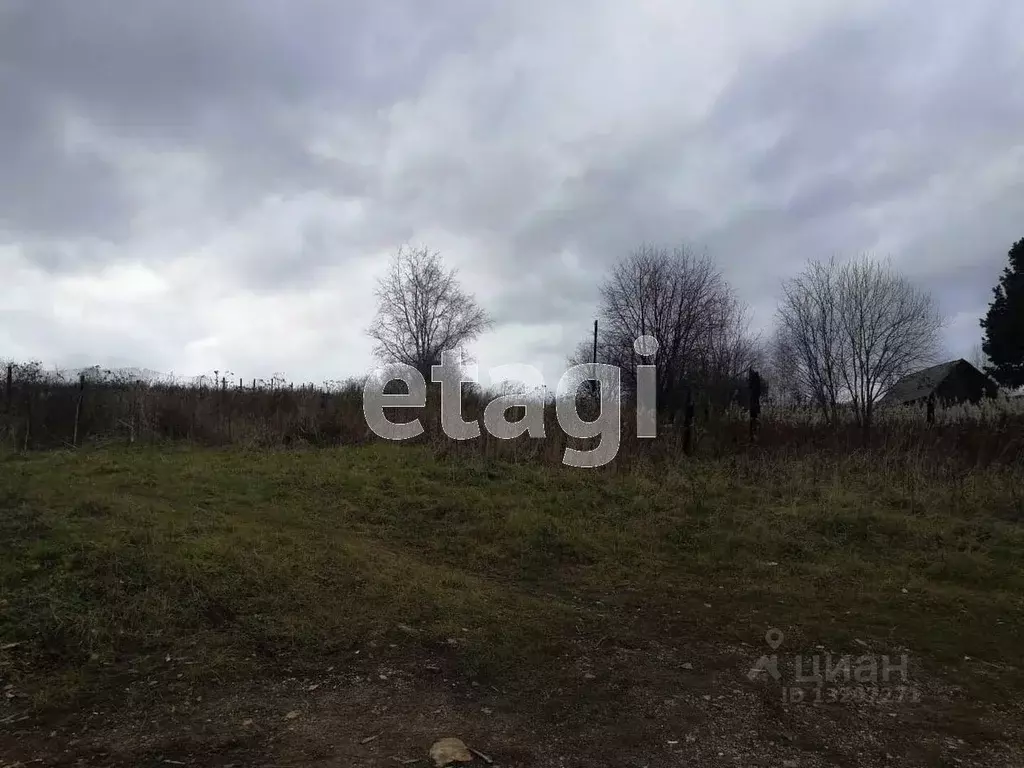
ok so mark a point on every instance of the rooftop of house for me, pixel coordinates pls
(920, 384)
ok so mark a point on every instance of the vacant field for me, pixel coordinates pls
(347, 606)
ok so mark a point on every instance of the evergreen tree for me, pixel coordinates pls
(1004, 323)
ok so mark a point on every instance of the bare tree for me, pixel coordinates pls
(889, 326)
(423, 311)
(785, 388)
(687, 306)
(808, 336)
(978, 357)
(848, 332)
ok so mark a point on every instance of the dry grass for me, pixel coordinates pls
(47, 412)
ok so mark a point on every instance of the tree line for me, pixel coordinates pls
(844, 334)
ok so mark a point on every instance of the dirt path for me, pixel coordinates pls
(613, 704)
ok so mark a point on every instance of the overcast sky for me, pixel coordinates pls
(190, 185)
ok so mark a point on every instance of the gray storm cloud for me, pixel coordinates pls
(191, 185)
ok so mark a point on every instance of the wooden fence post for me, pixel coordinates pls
(931, 408)
(140, 410)
(133, 406)
(28, 418)
(78, 408)
(754, 385)
(227, 404)
(688, 422)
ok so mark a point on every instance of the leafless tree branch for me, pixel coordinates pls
(848, 332)
(423, 311)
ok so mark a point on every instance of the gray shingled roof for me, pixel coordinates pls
(915, 386)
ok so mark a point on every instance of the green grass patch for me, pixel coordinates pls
(116, 556)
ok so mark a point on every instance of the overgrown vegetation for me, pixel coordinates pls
(47, 411)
